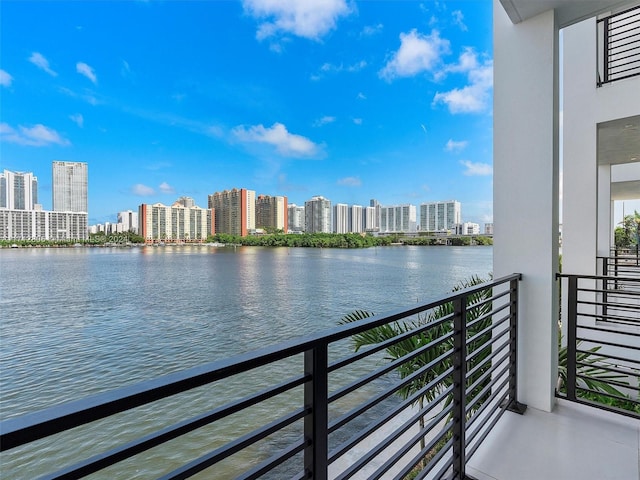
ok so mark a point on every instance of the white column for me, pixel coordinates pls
(525, 199)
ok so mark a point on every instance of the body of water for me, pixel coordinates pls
(79, 321)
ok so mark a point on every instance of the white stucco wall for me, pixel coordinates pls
(526, 189)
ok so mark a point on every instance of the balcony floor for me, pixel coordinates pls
(572, 442)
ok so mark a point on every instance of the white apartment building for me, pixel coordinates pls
(296, 218)
(42, 225)
(341, 222)
(469, 228)
(129, 221)
(371, 220)
(356, 224)
(18, 190)
(70, 186)
(318, 215)
(173, 223)
(398, 219)
(440, 216)
(488, 228)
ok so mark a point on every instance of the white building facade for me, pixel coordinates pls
(398, 219)
(341, 223)
(318, 215)
(440, 216)
(42, 225)
(18, 190)
(296, 218)
(70, 186)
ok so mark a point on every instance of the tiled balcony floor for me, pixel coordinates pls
(574, 442)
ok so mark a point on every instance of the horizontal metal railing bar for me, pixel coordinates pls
(611, 344)
(363, 407)
(342, 449)
(274, 461)
(213, 457)
(446, 448)
(614, 291)
(490, 328)
(385, 344)
(612, 357)
(604, 406)
(447, 466)
(496, 398)
(33, 426)
(485, 431)
(491, 356)
(621, 51)
(489, 343)
(488, 315)
(612, 18)
(487, 388)
(598, 277)
(607, 318)
(605, 394)
(128, 450)
(386, 369)
(611, 382)
(489, 371)
(370, 455)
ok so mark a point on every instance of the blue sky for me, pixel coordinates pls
(351, 100)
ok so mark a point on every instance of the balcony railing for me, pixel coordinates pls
(619, 46)
(601, 364)
(460, 354)
(620, 296)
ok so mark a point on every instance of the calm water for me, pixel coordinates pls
(80, 321)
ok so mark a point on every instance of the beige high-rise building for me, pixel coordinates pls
(235, 211)
(272, 212)
(159, 222)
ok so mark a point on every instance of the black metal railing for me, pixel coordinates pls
(619, 46)
(620, 296)
(335, 425)
(601, 359)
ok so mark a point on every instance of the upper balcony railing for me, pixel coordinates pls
(619, 46)
(418, 400)
(600, 363)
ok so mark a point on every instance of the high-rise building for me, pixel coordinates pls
(440, 216)
(398, 219)
(70, 185)
(129, 221)
(357, 219)
(235, 211)
(296, 218)
(18, 190)
(373, 203)
(340, 218)
(317, 213)
(186, 202)
(370, 220)
(173, 223)
(272, 212)
(42, 225)
(488, 228)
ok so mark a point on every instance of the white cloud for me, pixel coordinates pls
(361, 96)
(476, 168)
(369, 30)
(164, 187)
(78, 119)
(324, 121)
(475, 96)
(42, 63)
(84, 69)
(277, 135)
(310, 19)
(5, 78)
(36, 136)
(357, 121)
(142, 190)
(350, 182)
(417, 53)
(453, 146)
(458, 19)
(356, 67)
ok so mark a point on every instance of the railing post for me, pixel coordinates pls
(514, 405)
(316, 394)
(605, 50)
(459, 386)
(605, 286)
(572, 322)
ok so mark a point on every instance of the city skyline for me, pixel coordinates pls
(353, 101)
